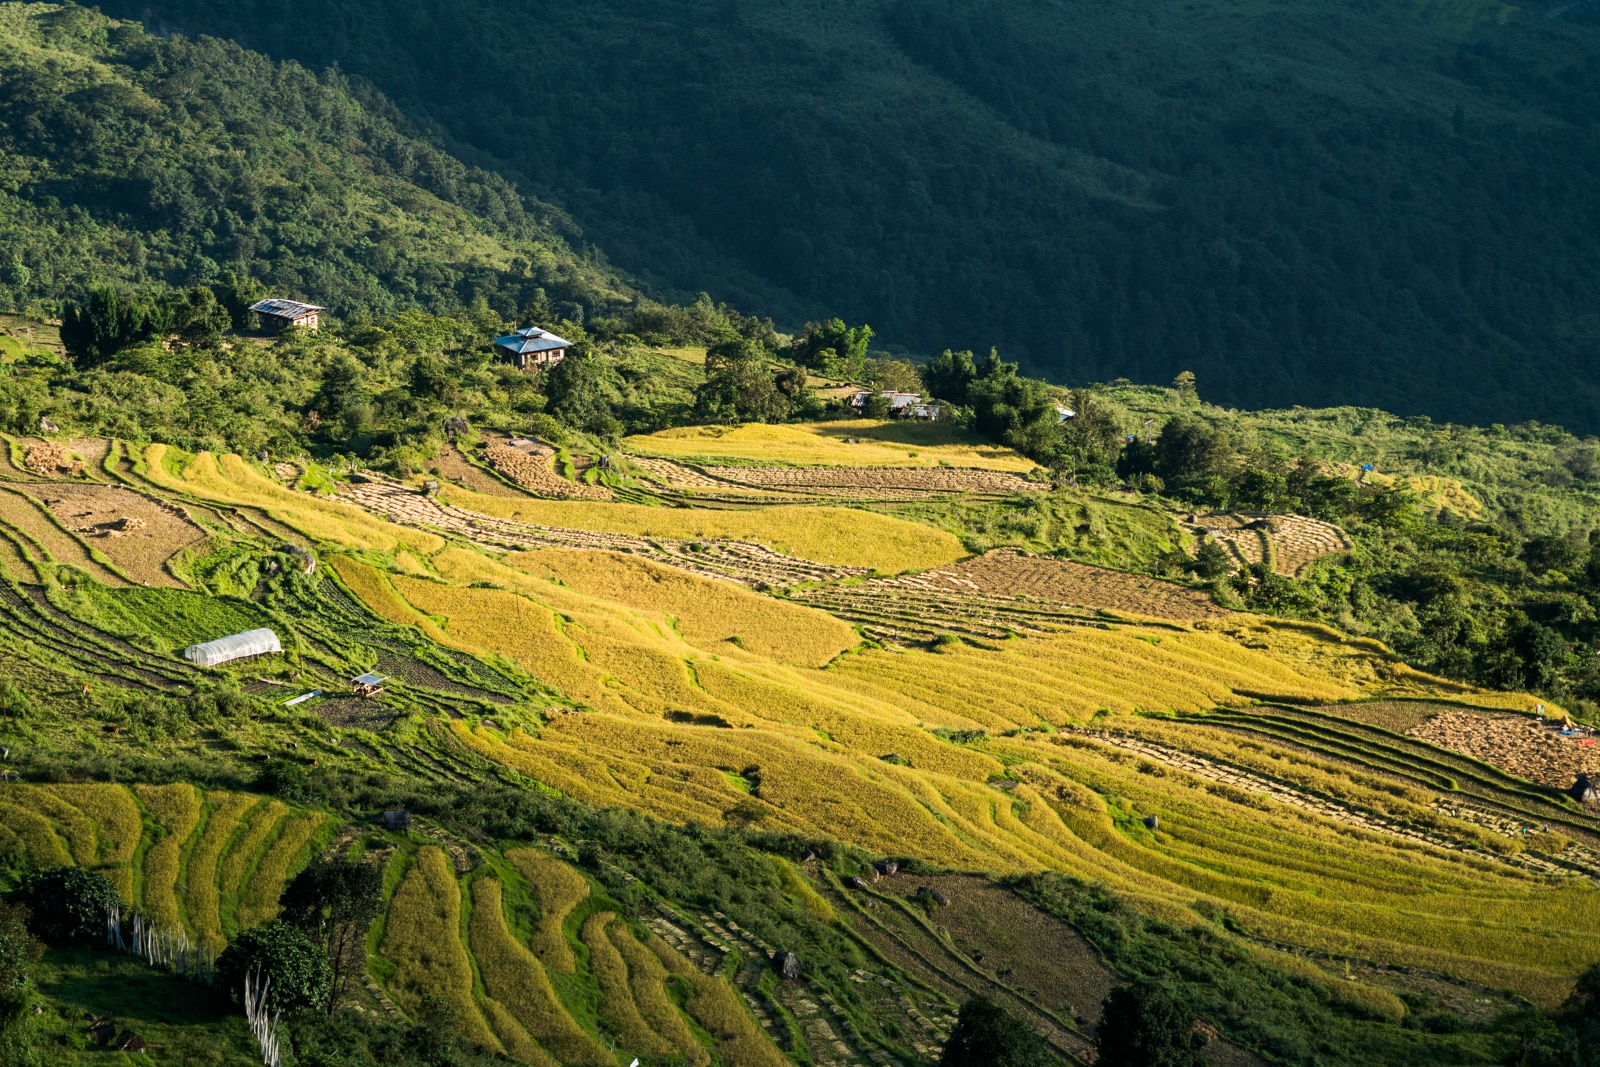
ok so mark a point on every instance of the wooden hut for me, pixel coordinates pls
(277, 314)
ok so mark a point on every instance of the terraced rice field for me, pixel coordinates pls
(743, 561)
(1287, 543)
(1521, 744)
(872, 480)
(851, 443)
(840, 537)
(41, 539)
(99, 513)
(530, 468)
(1005, 591)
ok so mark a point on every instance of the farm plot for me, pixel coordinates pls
(530, 468)
(139, 534)
(849, 443)
(1521, 744)
(1009, 573)
(452, 465)
(869, 479)
(742, 561)
(1287, 543)
(829, 536)
(42, 538)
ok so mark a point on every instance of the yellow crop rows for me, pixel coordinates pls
(840, 536)
(257, 824)
(617, 1006)
(28, 832)
(258, 903)
(422, 936)
(203, 904)
(559, 888)
(708, 613)
(849, 443)
(118, 828)
(647, 980)
(176, 808)
(517, 980)
(717, 1007)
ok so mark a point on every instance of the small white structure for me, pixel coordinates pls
(261, 642)
(899, 403)
(1063, 414)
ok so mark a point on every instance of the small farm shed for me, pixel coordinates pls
(251, 643)
(532, 348)
(278, 314)
(367, 685)
(900, 404)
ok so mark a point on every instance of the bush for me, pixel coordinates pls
(1146, 1025)
(300, 977)
(69, 904)
(986, 1035)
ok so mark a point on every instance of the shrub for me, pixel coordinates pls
(1146, 1025)
(69, 904)
(299, 973)
(986, 1035)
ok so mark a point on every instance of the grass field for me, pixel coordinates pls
(840, 536)
(850, 443)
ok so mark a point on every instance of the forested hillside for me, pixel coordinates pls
(132, 160)
(1390, 203)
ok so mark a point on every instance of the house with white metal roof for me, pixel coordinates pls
(278, 314)
(532, 348)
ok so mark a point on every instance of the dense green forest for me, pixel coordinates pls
(135, 160)
(1391, 204)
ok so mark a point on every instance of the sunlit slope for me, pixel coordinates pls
(955, 755)
(840, 536)
(209, 864)
(849, 752)
(852, 443)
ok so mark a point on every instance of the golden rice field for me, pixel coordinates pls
(851, 443)
(517, 981)
(180, 857)
(670, 719)
(617, 1005)
(840, 536)
(422, 936)
(558, 888)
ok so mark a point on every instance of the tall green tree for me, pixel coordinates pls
(986, 1035)
(333, 902)
(740, 387)
(1146, 1025)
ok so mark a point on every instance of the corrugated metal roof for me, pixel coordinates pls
(287, 309)
(237, 646)
(368, 679)
(531, 339)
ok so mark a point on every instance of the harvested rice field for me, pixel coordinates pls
(1287, 543)
(41, 537)
(137, 532)
(827, 535)
(530, 467)
(1528, 747)
(851, 443)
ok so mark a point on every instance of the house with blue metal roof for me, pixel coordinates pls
(532, 348)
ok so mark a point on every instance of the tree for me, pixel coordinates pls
(429, 377)
(1190, 454)
(738, 386)
(832, 348)
(300, 974)
(197, 318)
(1091, 439)
(333, 902)
(343, 393)
(69, 904)
(97, 329)
(1015, 411)
(986, 1035)
(1256, 489)
(1146, 1025)
(1184, 384)
(947, 376)
(577, 395)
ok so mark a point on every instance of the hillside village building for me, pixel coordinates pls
(532, 348)
(901, 405)
(278, 314)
